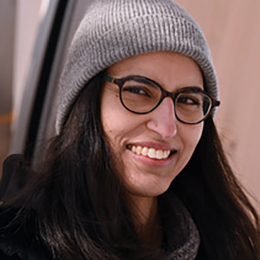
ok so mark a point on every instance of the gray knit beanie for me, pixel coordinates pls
(113, 30)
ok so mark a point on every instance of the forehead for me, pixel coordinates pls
(161, 67)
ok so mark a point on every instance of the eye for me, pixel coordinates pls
(189, 100)
(138, 90)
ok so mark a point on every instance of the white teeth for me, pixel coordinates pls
(138, 150)
(159, 154)
(151, 152)
(167, 153)
(145, 151)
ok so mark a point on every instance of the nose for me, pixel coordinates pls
(163, 119)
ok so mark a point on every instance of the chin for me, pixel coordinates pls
(148, 191)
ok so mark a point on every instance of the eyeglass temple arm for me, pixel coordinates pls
(216, 103)
(107, 78)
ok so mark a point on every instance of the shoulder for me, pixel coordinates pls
(19, 237)
(16, 173)
(19, 233)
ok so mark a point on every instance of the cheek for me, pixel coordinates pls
(119, 124)
(115, 125)
(198, 133)
(109, 113)
(190, 136)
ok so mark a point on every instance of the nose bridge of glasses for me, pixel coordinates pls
(166, 93)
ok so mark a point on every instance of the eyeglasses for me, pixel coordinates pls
(142, 95)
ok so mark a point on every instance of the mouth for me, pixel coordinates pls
(151, 152)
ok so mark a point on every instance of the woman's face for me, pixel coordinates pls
(132, 136)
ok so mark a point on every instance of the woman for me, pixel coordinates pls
(136, 170)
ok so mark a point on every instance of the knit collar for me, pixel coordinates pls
(181, 237)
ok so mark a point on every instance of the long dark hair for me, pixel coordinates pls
(227, 221)
(83, 211)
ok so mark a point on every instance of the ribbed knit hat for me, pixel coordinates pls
(113, 30)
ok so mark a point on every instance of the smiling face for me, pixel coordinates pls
(150, 150)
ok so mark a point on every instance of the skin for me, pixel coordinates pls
(147, 178)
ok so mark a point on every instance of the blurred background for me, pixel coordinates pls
(34, 39)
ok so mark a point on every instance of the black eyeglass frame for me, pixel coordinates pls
(173, 95)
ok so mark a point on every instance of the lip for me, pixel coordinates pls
(151, 161)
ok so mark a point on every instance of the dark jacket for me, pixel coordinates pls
(19, 236)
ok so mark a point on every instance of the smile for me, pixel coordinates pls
(150, 152)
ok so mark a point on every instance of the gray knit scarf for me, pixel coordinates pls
(182, 238)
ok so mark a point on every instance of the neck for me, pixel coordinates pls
(148, 224)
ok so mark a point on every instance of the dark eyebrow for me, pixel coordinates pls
(153, 83)
(193, 89)
(143, 79)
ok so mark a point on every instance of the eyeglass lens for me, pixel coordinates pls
(142, 96)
